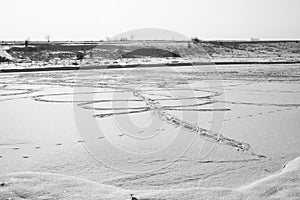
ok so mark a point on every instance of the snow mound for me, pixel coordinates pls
(30, 185)
(283, 185)
(4, 56)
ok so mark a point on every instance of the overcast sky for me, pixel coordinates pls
(97, 19)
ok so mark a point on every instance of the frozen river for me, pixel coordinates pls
(152, 129)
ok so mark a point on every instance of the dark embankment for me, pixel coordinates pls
(117, 66)
(150, 52)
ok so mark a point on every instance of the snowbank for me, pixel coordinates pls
(31, 185)
(4, 56)
(283, 185)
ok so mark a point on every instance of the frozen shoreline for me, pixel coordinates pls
(119, 66)
(65, 55)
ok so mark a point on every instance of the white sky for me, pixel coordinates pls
(96, 19)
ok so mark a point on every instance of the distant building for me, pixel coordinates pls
(123, 39)
(255, 39)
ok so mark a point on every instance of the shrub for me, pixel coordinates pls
(80, 55)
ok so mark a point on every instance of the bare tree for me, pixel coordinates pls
(48, 36)
(123, 39)
(132, 36)
(27, 42)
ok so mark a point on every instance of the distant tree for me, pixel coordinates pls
(196, 40)
(26, 43)
(132, 36)
(48, 36)
(80, 55)
(123, 39)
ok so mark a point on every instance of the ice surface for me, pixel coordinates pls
(259, 106)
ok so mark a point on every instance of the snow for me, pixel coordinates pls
(5, 55)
